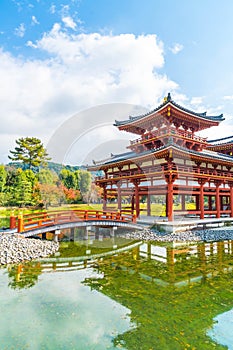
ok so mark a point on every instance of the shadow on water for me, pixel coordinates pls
(172, 292)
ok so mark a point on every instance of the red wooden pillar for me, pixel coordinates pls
(170, 177)
(201, 200)
(132, 203)
(137, 199)
(183, 202)
(148, 207)
(119, 196)
(170, 201)
(105, 198)
(217, 201)
(137, 204)
(231, 199)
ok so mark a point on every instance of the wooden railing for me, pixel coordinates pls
(155, 134)
(33, 221)
(191, 170)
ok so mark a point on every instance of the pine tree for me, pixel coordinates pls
(30, 151)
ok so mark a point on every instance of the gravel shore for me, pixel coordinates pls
(15, 249)
(208, 235)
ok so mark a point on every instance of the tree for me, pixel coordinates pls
(85, 181)
(51, 194)
(3, 175)
(71, 195)
(68, 178)
(20, 187)
(93, 195)
(30, 151)
(47, 176)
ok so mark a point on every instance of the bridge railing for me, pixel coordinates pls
(28, 222)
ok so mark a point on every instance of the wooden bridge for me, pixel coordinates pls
(31, 224)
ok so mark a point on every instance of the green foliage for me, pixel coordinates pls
(169, 310)
(24, 275)
(51, 194)
(68, 179)
(76, 184)
(46, 176)
(3, 175)
(30, 151)
(85, 181)
(20, 186)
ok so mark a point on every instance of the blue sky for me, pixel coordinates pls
(60, 57)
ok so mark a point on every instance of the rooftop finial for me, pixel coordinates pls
(167, 98)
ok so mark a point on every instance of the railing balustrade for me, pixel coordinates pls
(32, 221)
(151, 136)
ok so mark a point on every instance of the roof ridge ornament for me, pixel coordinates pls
(167, 98)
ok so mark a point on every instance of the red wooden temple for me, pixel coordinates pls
(170, 160)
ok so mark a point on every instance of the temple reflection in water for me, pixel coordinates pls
(173, 291)
(162, 263)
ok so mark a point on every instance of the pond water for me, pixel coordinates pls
(103, 291)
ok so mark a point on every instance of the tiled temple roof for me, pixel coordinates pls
(168, 100)
(223, 140)
(132, 155)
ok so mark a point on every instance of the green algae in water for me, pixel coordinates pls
(151, 296)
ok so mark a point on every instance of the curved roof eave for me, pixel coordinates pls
(202, 115)
(221, 141)
(214, 156)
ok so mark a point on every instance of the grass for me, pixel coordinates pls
(157, 209)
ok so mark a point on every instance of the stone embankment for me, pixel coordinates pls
(207, 235)
(15, 249)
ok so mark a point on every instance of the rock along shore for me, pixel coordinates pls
(15, 249)
(208, 235)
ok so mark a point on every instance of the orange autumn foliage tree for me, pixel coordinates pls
(71, 195)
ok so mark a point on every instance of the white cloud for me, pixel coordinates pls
(20, 31)
(80, 71)
(30, 44)
(196, 100)
(176, 48)
(69, 22)
(52, 9)
(228, 97)
(34, 20)
(65, 9)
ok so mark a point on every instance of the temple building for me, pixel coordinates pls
(169, 160)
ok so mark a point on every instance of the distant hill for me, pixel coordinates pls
(56, 167)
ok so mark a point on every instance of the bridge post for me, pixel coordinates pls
(20, 223)
(87, 233)
(112, 231)
(97, 232)
(44, 236)
(72, 234)
(56, 233)
(12, 220)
